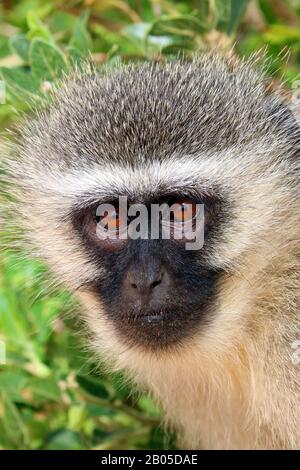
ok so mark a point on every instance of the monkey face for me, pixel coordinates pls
(200, 132)
(155, 290)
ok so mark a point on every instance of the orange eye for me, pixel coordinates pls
(184, 211)
(111, 221)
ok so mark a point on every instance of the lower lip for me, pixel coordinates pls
(153, 318)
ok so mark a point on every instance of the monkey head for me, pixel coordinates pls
(203, 134)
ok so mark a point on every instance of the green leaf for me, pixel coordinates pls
(223, 13)
(74, 55)
(96, 410)
(203, 10)
(106, 40)
(92, 386)
(12, 422)
(13, 382)
(37, 28)
(137, 31)
(282, 35)
(77, 415)
(140, 34)
(229, 13)
(81, 39)
(182, 25)
(64, 439)
(61, 21)
(47, 61)
(43, 390)
(238, 8)
(21, 84)
(268, 12)
(4, 46)
(20, 45)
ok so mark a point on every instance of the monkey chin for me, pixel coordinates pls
(157, 329)
(149, 331)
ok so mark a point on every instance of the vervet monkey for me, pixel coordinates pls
(208, 332)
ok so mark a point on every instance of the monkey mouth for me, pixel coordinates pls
(156, 327)
(152, 318)
(152, 330)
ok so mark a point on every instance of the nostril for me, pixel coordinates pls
(151, 285)
(145, 283)
(157, 281)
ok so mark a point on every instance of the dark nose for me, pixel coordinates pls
(148, 283)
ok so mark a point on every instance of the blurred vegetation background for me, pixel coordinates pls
(51, 395)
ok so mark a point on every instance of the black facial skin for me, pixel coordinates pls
(155, 292)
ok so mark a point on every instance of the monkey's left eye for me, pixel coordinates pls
(184, 211)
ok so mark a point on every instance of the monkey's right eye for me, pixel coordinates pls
(110, 223)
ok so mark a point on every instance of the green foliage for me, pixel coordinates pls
(50, 397)
(47, 61)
